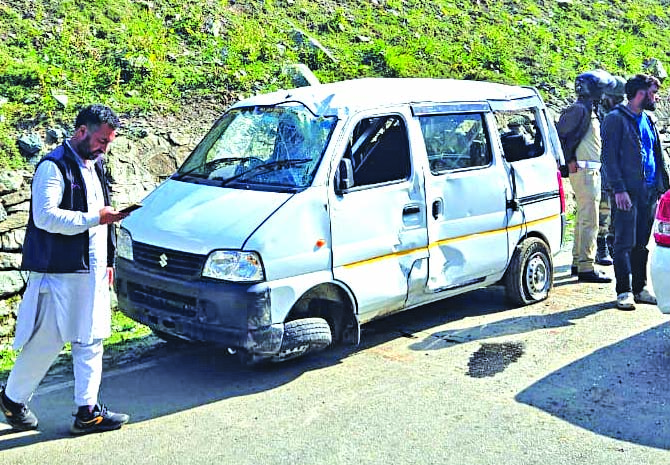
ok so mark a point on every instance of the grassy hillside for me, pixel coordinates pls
(155, 55)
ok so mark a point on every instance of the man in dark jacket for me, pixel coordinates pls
(636, 175)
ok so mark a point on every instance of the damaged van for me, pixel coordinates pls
(305, 213)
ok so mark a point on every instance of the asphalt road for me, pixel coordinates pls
(466, 381)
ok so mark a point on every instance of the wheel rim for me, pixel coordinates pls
(537, 276)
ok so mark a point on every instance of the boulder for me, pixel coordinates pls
(14, 221)
(10, 261)
(11, 283)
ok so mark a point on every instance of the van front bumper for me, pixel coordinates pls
(231, 315)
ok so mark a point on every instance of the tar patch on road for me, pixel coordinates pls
(492, 359)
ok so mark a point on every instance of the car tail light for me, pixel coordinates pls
(561, 191)
(662, 231)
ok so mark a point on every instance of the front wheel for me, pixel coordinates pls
(303, 336)
(529, 276)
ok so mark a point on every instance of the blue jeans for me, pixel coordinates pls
(632, 230)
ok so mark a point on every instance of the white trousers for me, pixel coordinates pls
(41, 350)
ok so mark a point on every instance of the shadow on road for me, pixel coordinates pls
(507, 327)
(621, 391)
(188, 377)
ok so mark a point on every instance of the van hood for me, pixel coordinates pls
(197, 218)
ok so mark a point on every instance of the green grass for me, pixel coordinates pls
(154, 56)
(126, 334)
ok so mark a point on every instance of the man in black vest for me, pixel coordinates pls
(69, 251)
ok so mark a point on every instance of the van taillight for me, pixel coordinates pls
(662, 231)
(561, 191)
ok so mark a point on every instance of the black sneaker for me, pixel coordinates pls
(18, 415)
(99, 420)
(593, 276)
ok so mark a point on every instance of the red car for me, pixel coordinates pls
(660, 256)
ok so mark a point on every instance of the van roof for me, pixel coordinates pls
(349, 96)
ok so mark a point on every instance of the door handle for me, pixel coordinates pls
(437, 208)
(411, 210)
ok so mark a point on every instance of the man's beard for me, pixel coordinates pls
(84, 150)
(648, 104)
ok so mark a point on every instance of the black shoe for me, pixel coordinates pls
(18, 415)
(602, 253)
(99, 420)
(573, 271)
(593, 276)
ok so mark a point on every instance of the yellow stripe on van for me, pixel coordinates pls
(441, 242)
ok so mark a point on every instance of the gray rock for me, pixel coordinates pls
(304, 40)
(3, 213)
(10, 181)
(14, 221)
(10, 261)
(179, 138)
(60, 98)
(654, 67)
(8, 307)
(13, 240)
(30, 144)
(19, 207)
(15, 198)
(11, 283)
(56, 135)
(301, 75)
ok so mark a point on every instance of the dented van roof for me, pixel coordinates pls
(346, 97)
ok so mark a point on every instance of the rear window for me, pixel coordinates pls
(520, 134)
(455, 141)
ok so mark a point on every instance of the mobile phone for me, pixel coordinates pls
(131, 208)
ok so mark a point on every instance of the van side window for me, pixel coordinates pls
(519, 134)
(455, 141)
(379, 151)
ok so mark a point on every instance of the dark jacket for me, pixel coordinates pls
(621, 153)
(59, 253)
(572, 125)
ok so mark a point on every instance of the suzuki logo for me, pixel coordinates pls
(162, 260)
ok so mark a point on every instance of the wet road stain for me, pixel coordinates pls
(492, 359)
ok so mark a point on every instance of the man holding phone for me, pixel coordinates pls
(69, 251)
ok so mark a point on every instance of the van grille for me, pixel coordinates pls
(168, 261)
(170, 302)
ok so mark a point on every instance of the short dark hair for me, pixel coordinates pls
(640, 82)
(95, 115)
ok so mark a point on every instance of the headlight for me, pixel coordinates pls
(124, 245)
(231, 265)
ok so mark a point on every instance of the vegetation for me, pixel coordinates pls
(154, 55)
(125, 333)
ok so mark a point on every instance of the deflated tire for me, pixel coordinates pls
(303, 336)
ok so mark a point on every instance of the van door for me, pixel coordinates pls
(527, 145)
(378, 225)
(466, 195)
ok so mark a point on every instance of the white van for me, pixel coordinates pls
(305, 213)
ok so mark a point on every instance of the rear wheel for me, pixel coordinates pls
(530, 274)
(303, 336)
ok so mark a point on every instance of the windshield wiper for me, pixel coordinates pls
(268, 167)
(211, 165)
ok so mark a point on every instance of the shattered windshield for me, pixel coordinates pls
(275, 147)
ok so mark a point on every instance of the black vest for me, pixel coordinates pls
(59, 253)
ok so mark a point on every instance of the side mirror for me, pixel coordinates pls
(344, 176)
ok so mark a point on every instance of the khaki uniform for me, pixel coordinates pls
(586, 185)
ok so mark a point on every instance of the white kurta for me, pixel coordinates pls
(81, 301)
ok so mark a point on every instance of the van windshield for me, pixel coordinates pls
(272, 147)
